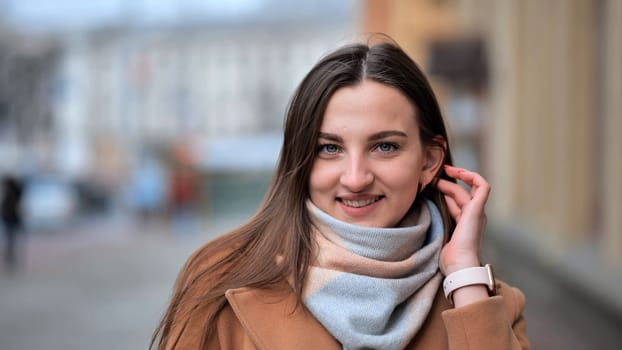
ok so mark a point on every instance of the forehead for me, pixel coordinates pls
(369, 105)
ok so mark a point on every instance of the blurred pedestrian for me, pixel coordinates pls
(184, 185)
(364, 240)
(11, 218)
(149, 188)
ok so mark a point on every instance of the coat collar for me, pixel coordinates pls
(274, 319)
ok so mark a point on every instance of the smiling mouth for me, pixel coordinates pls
(361, 202)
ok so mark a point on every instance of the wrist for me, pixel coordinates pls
(469, 294)
(460, 265)
(462, 280)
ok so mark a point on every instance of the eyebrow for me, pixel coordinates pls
(330, 137)
(388, 133)
(377, 136)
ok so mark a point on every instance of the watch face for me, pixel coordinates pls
(492, 284)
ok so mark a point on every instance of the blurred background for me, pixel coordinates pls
(131, 132)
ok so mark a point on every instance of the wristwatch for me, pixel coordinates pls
(468, 277)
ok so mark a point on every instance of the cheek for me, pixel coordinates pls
(403, 177)
(321, 179)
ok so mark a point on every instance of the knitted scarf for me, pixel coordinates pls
(372, 288)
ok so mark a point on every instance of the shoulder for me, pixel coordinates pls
(195, 300)
(230, 333)
(210, 257)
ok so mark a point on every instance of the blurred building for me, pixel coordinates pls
(27, 65)
(88, 106)
(540, 114)
(127, 87)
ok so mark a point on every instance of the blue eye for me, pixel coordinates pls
(328, 148)
(386, 147)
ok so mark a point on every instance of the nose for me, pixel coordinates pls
(356, 175)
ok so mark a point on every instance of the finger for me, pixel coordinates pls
(454, 209)
(461, 174)
(460, 195)
(480, 189)
(451, 170)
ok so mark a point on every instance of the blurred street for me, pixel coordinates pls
(561, 312)
(104, 286)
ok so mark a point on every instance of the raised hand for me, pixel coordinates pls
(467, 209)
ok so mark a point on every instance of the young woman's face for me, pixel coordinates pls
(370, 159)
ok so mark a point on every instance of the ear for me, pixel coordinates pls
(434, 155)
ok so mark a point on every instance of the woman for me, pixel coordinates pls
(361, 222)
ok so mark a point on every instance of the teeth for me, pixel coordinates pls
(358, 204)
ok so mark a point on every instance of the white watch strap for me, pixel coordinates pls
(468, 277)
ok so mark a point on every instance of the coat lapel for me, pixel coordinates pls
(274, 319)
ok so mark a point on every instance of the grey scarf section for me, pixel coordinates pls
(373, 288)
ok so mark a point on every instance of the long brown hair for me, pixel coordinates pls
(281, 227)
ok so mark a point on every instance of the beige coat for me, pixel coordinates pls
(269, 319)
